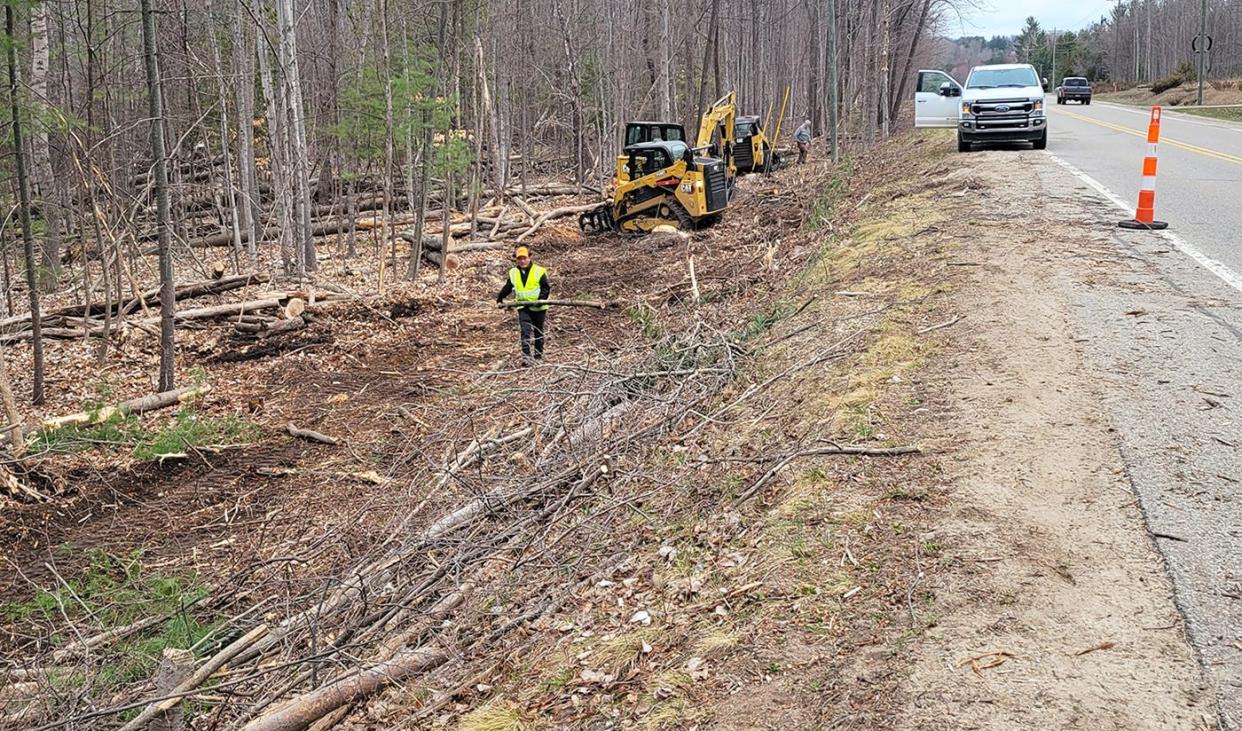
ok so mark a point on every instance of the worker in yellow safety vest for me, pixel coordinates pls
(528, 282)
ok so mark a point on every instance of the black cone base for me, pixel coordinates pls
(1140, 226)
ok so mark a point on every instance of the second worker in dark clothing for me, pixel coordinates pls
(528, 282)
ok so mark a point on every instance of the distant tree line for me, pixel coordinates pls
(1140, 41)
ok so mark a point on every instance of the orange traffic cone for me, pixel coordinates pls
(1145, 214)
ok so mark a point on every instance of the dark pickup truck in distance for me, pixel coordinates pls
(1074, 88)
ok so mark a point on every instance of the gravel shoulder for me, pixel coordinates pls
(1061, 613)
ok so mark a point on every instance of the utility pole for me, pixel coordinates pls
(833, 75)
(1054, 58)
(1202, 46)
(1112, 62)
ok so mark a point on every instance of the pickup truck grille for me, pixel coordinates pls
(1001, 113)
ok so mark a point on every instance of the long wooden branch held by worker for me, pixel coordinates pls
(562, 303)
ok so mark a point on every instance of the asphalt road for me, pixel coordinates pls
(1167, 343)
(1199, 176)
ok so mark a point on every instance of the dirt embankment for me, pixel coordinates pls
(763, 549)
(1215, 92)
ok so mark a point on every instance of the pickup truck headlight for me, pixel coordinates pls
(966, 108)
(1037, 105)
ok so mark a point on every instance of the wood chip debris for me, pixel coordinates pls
(979, 663)
(1102, 646)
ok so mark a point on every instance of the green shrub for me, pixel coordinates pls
(1184, 74)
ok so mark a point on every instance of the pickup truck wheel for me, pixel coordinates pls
(1087, 102)
(1042, 142)
(962, 144)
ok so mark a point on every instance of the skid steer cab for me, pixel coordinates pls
(752, 152)
(662, 183)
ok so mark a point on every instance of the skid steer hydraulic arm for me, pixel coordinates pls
(719, 119)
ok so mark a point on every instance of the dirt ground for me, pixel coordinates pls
(1054, 566)
(735, 573)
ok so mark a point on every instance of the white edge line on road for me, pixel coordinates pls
(1227, 275)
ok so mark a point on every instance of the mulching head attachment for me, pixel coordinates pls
(597, 220)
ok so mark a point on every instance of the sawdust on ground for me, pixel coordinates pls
(1058, 613)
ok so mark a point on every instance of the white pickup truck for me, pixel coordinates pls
(1001, 103)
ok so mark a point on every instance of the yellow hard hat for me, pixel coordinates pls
(521, 251)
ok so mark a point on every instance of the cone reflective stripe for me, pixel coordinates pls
(1145, 213)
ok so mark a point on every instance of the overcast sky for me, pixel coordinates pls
(1006, 17)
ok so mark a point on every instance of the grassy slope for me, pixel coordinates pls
(1229, 114)
(1221, 91)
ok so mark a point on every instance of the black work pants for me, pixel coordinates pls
(531, 324)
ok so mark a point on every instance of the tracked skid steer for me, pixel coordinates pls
(661, 181)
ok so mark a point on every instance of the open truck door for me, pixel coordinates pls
(936, 99)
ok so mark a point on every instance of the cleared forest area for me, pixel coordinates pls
(270, 459)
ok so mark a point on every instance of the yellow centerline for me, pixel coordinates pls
(1163, 140)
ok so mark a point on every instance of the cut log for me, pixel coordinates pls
(209, 313)
(301, 712)
(478, 246)
(151, 402)
(150, 298)
(436, 257)
(433, 243)
(217, 269)
(282, 326)
(294, 307)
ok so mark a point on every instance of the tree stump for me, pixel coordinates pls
(175, 666)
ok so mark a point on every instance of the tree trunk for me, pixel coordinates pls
(666, 62)
(155, 108)
(23, 187)
(41, 154)
(243, 65)
(385, 230)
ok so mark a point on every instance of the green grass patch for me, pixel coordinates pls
(645, 317)
(114, 592)
(761, 322)
(1229, 114)
(831, 195)
(118, 433)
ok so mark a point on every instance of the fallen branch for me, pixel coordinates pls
(945, 324)
(192, 682)
(823, 451)
(554, 213)
(305, 710)
(1106, 645)
(310, 434)
(151, 402)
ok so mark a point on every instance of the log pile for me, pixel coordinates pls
(334, 218)
(510, 226)
(72, 320)
(141, 312)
